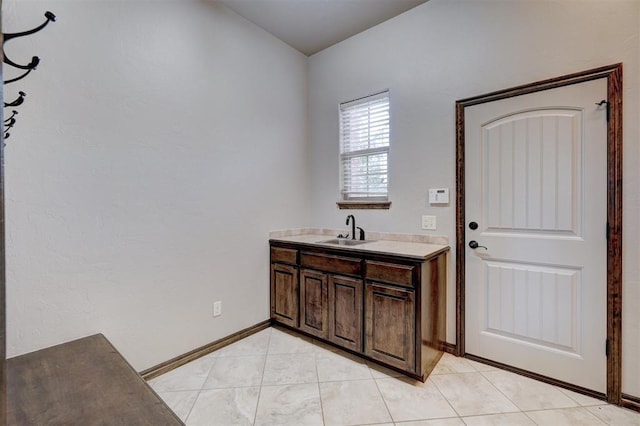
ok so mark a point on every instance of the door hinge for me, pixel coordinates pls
(606, 104)
(608, 231)
(607, 347)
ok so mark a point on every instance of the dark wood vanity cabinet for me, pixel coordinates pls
(284, 286)
(385, 307)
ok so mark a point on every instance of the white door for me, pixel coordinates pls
(535, 184)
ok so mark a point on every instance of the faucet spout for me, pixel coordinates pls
(353, 226)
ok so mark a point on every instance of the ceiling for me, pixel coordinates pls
(312, 25)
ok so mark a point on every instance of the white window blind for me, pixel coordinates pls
(364, 147)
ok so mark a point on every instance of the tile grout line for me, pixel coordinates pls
(562, 390)
(447, 399)
(315, 363)
(578, 405)
(200, 390)
(561, 408)
(382, 396)
(520, 410)
(529, 417)
(526, 413)
(596, 414)
(264, 366)
(502, 393)
(443, 395)
(448, 402)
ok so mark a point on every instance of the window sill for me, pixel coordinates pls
(364, 205)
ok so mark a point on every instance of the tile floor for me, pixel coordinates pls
(277, 378)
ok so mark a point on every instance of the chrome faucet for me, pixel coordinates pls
(353, 226)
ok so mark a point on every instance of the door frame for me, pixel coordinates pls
(613, 74)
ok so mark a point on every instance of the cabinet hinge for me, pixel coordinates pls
(607, 347)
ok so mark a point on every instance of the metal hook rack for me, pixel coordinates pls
(9, 122)
(35, 60)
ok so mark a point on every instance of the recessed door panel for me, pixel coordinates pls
(532, 168)
(514, 295)
(314, 306)
(345, 311)
(284, 294)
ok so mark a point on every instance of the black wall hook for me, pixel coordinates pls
(34, 60)
(9, 122)
(32, 66)
(50, 17)
(13, 114)
(18, 101)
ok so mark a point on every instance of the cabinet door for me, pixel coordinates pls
(390, 325)
(313, 303)
(345, 312)
(284, 294)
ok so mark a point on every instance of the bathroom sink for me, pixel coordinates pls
(344, 242)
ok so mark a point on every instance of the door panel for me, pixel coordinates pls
(533, 164)
(515, 292)
(535, 182)
(390, 325)
(284, 294)
(345, 312)
(313, 302)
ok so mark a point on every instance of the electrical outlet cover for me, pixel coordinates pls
(217, 309)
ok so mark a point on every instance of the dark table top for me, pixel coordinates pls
(83, 382)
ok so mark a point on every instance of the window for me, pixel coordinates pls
(364, 150)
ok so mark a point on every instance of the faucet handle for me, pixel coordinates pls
(361, 234)
(342, 236)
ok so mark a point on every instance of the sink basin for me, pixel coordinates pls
(344, 242)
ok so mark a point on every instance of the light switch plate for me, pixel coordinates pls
(429, 223)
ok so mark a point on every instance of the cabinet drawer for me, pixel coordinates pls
(327, 263)
(390, 273)
(283, 255)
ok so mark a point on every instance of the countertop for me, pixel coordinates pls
(414, 250)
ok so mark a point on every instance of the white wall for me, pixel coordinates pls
(159, 143)
(442, 51)
(631, 283)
